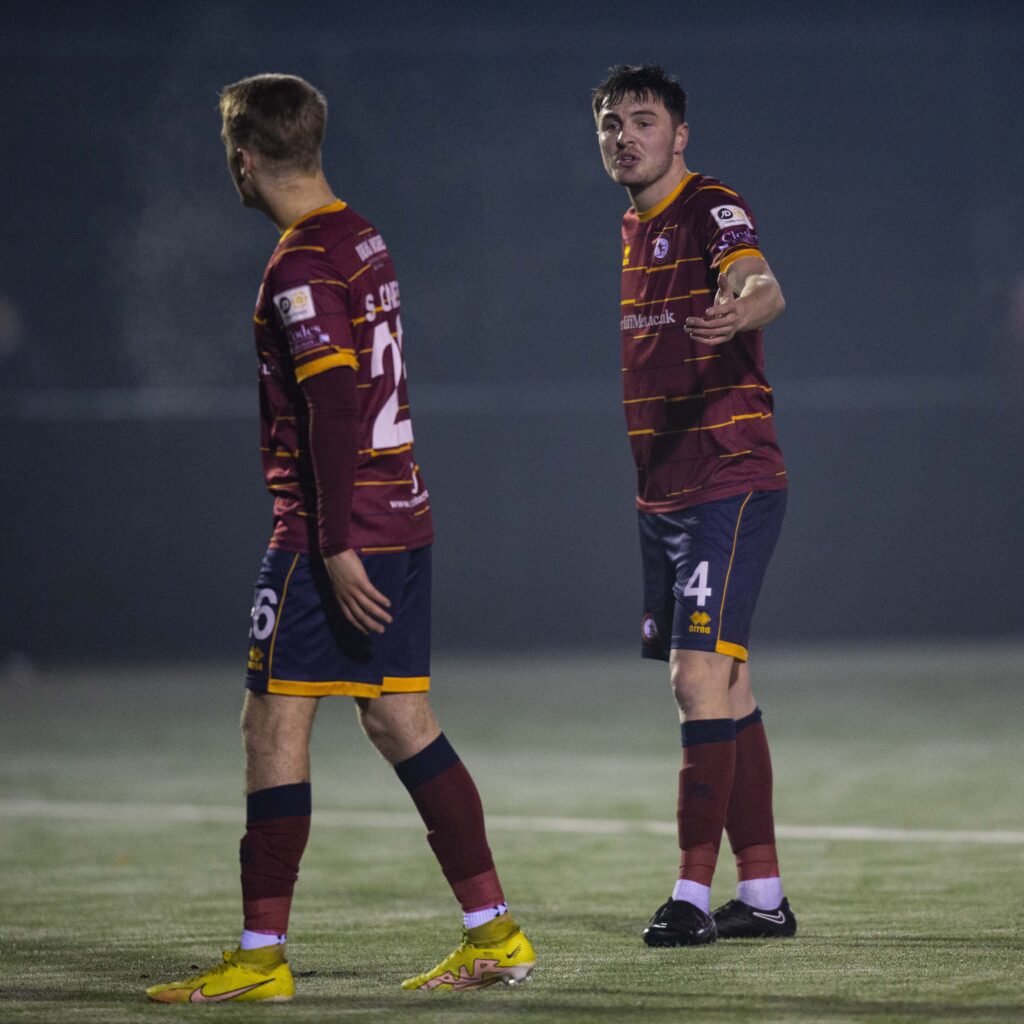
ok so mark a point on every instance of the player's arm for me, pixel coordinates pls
(333, 402)
(748, 297)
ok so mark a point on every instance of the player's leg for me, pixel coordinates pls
(760, 909)
(275, 732)
(287, 637)
(717, 553)
(700, 684)
(403, 728)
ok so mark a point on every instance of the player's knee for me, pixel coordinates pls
(693, 682)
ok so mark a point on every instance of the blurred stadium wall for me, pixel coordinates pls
(878, 144)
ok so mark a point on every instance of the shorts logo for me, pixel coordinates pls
(730, 216)
(660, 248)
(649, 629)
(295, 304)
(255, 659)
(625, 255)
(700, 623)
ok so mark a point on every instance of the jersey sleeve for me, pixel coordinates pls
(725, 226)
(310, 301)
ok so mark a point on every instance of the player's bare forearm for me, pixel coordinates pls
(361, 602)
(749, 297)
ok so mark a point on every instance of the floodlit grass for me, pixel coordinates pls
(94, 910)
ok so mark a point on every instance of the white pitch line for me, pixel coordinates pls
(196, 813)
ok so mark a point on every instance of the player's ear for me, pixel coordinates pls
(243, 162)
(682, 137)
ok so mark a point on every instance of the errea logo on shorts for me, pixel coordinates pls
(730, 216)
(295, 304)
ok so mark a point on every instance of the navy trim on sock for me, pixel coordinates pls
(708, 730)
(433, 759)
(292, 801)
(752, 719)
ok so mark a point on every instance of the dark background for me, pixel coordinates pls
(879, 145)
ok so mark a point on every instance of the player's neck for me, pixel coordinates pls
(645, 197)
(287, 200)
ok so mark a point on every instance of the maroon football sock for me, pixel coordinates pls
(276, 830)
(709, 760)
(448, 801)
(749, 821)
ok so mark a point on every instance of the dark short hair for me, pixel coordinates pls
(281, 117)
(641, 81)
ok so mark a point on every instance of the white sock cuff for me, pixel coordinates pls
(760, 893)
(257, 940)
(693, 892)
(479, 917)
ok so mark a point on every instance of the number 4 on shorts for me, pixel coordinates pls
(697, 585)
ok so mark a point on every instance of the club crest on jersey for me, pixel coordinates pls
(730, 216)
(660, 248)
(295, 304)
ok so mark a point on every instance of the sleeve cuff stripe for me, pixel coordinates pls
(307, 370)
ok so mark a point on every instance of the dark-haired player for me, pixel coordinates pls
(696, 291)
(342, 603)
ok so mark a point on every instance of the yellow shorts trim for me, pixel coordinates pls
(405, 684)
(732, 650)
(344, 688)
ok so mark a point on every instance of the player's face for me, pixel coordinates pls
(639, 142)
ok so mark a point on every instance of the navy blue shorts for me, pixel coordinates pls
(703, 569)
(300, 642)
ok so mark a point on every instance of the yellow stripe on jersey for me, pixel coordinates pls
(646, 215)
(343, 357)
(732, 455)
(671, 298)
(374, 452)
(377, 551)
(327, 280)
(699, 394)
(739, 254)
(338, 204)
(296, 248)
(731, 422)
(380, 483)
(715, 188)
(668, 266)
(362, 270)
(376, 309)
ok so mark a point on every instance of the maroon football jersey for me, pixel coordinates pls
(699, 416)
(329, 298)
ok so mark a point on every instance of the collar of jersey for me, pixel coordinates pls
(338, 204)
(645, 215)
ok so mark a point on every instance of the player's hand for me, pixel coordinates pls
(361, 602)
(721, 322)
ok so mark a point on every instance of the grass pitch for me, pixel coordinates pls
(100, 902)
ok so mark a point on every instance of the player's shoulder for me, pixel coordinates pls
(703, 193)
(327, 241)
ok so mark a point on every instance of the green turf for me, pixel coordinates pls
(93, 911)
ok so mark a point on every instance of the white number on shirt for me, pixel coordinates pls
(388, 431)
